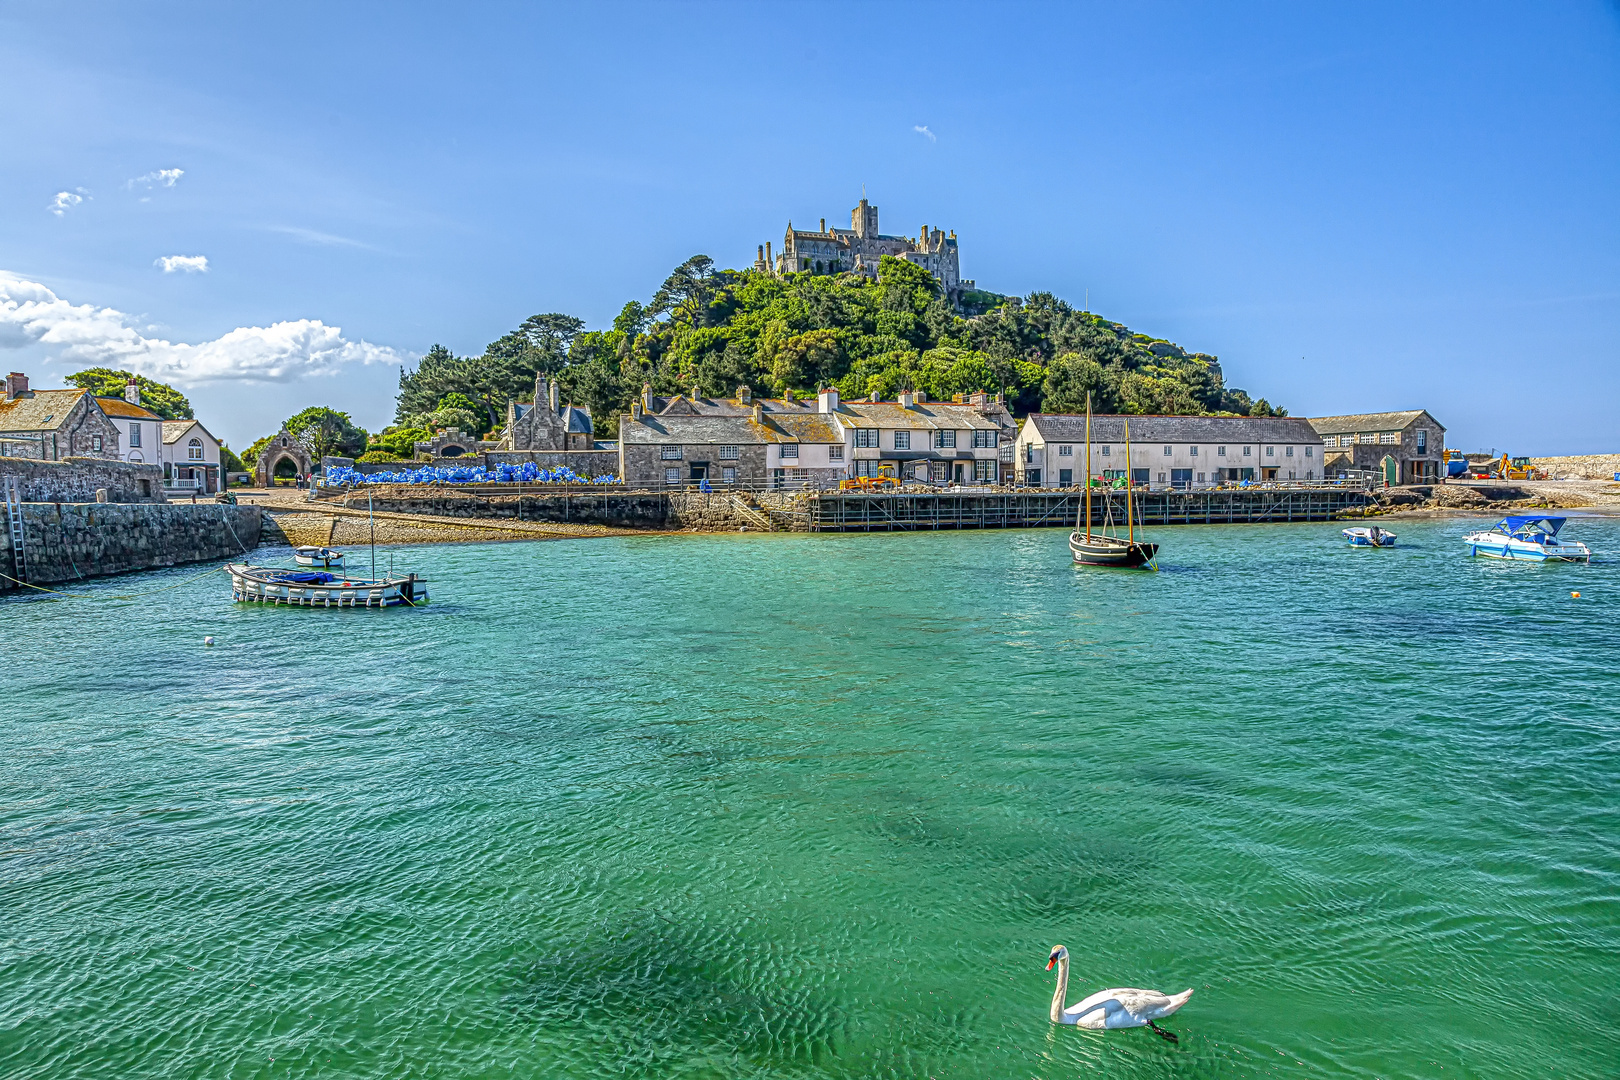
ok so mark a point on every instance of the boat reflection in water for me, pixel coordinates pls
(1103, 548)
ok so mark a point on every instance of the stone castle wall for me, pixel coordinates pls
(67, 541)
(78, 480)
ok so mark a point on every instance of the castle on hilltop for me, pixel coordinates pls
(858, 249)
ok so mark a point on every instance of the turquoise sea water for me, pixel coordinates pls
(795, 806)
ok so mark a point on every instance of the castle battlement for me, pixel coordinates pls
(859, 248)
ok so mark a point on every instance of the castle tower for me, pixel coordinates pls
(864, 220)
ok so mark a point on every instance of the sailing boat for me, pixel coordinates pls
(1102, 548)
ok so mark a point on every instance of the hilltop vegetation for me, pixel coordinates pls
(713, 329)
(160, 398)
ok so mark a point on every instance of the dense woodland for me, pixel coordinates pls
(713, 329)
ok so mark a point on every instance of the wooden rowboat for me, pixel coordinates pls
(319, 588)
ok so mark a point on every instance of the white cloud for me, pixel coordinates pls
(66, 200)
(189, 264)
(157, 178)
(314, 236)
(31, 314)
(922, 129)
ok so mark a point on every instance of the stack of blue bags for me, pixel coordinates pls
(524, 473)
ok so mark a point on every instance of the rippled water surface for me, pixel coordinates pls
(789, 806)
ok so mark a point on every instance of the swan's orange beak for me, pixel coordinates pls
(1050, 962)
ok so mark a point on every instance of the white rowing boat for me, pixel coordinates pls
(319, 588)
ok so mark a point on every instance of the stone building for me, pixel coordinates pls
(545, 424)
(283, 455)
(50, 425)
(859, 248)
(1405, 447)
(1168, 451)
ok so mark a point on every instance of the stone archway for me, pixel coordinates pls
(279, 452)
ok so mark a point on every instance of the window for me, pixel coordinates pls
(1065, 477)
(728, 474)
(1288, 452)
(134, 435)
(1220, 451)
(984, 472)
(1389, 436)
(729, 453)
(1423, 441)
(985, 439)
(672, 476)
(1065, 451)
(1248, 451)
(669, 453)
(1290, 474)
(944, 440)
(1161, 478)
(1271, 451)
(95, 442)
(866, 437)
(1200, 478)
(835, 452)
(1367, 437)
(1166, 454)
(194, 450)
(1309, 453)
(902, 440)
(1105, 451)
(1029, 452)
(790, 450)
(1192, 451)
(1033, 477)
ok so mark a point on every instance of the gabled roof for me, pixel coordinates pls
(125, 410)
(1377, 421)
(925, 415)
(576, 420)
(174, 430)
(692, 429)
(1071, 428)
(40, 410)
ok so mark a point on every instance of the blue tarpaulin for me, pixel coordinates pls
(524, 473)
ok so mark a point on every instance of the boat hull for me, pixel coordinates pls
(1365, 538)
(276, 587)
(1109, 551)
(1494, 546)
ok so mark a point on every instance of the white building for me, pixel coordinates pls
(190, 458)
(1168, 451)
(915, 440)
(140, 429)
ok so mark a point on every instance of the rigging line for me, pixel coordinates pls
(121, 596)
(226, 517)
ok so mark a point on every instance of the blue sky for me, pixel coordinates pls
(1360, 207)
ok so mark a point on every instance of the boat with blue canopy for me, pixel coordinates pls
(320, 588)
(1533, 538)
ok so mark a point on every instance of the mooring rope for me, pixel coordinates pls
(122, 596)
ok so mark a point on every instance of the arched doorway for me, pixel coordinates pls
(285, 469)
(1391, 470)
(451, 450)
(283, 457)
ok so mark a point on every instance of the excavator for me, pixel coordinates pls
(1507, 468)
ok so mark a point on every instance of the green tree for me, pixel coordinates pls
(327, 432)
(686, 294)
(229, 462)
(161, 398)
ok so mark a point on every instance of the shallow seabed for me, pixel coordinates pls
(819, 806)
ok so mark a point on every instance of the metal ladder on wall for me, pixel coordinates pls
(14, 522)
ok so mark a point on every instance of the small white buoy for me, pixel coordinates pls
(208, 641)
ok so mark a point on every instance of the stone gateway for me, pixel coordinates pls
(284, 455)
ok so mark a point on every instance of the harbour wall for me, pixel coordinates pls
(78, 480)
(64, 542)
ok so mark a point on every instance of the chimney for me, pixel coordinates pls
(646, 397)
(744, 395)
(875, 399)
(923, 239)
(828, 402)
(132, 391)
(759, 414)
(770, 262)
(635, 410)
(539, 390)
(823, 224)
(921, 397)
(16, 386)
(907, 399)
(553, 395)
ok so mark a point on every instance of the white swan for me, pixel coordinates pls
(1119, 1008)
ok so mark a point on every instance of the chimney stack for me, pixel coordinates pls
(646, 397)
(828, 400)
(759, 414)
(907, 399)
(552, 396)
(635, 410)
(770, 261)
(823, 224)
(132, 391)
(744, 394)
(16, 386)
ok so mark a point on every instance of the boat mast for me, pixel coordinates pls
(1130, 526)
(371, 514)
(1088, 466)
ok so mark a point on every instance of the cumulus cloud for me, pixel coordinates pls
(157, 178)
(67, 200)
(31, 314)
(922, 129)
(185, 264)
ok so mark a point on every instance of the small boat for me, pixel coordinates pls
(319, 588)
(1102, 548)
(1369, 537)
(1527, 537)
(318, 556)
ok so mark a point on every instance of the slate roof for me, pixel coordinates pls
(810, 427)
(42, 410)
(125, 410)
(682, 405)
(576, 420)
(173, 430)
(1071, 428)
(928, 415)
(1377, 421)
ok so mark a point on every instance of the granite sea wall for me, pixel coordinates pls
(78, 480)
(64, 542)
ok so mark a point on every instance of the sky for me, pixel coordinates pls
(1356, 207)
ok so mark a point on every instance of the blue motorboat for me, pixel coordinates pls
(1529, 537)
(1369, 536)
